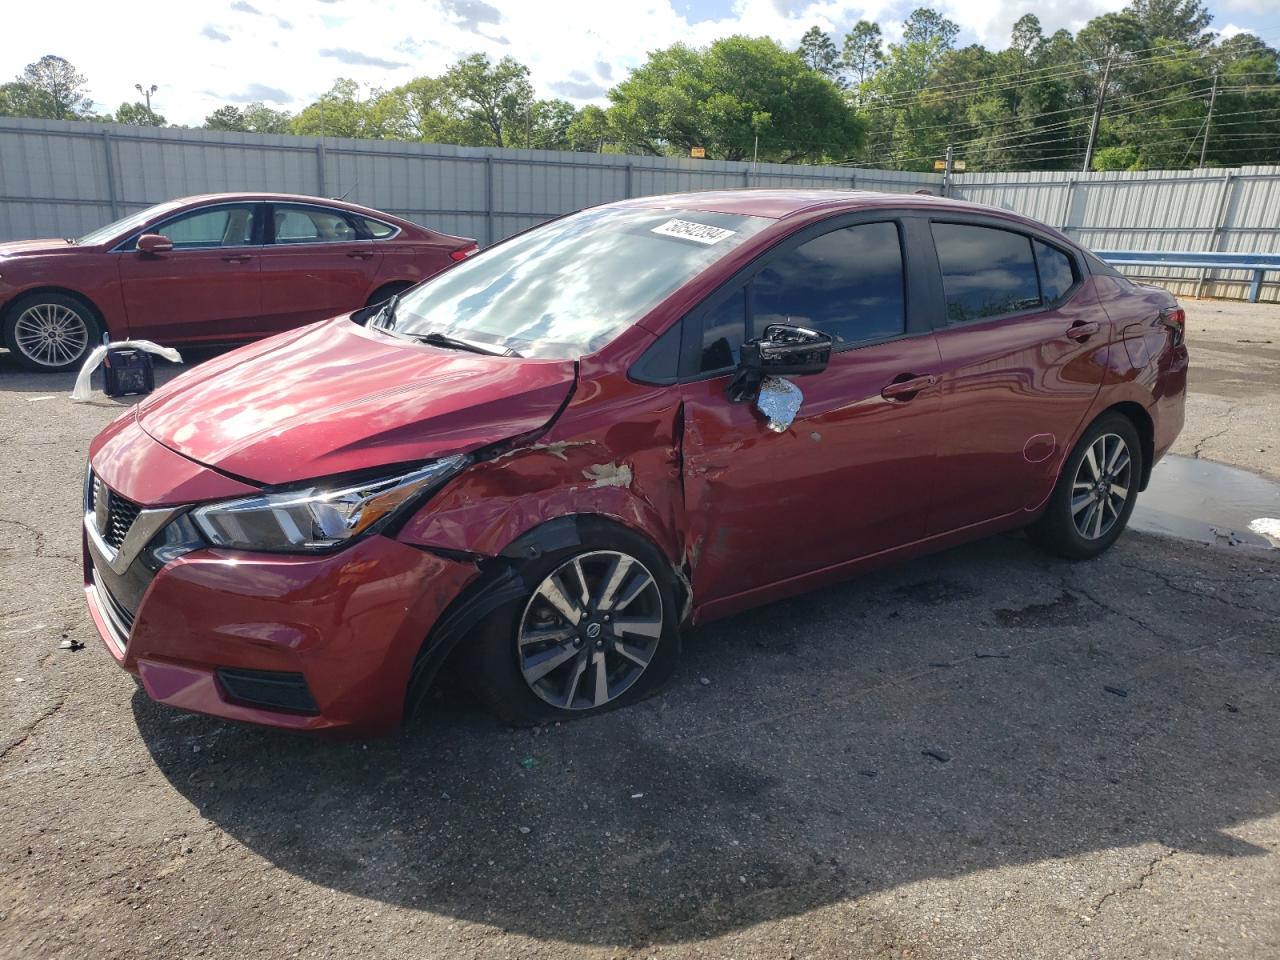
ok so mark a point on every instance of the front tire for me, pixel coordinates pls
(50, 332)
(1095, 493)
(597, 630)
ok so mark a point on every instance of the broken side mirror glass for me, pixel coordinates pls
(779, 400)
(783, 351)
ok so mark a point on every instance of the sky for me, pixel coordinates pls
(202, 55)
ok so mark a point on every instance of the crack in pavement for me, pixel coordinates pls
(1138, 884)
(1231, 410)
(25, 733)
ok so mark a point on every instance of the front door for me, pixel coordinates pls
(1024, 348)
(208, 287)
(852, 475)
(315, 266)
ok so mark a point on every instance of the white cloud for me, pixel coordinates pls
(205, 55)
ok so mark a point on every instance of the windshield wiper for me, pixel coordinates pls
(385, 318)
(444, 340)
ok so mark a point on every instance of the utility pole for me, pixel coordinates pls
(1097, 117)
(1208, 123)
(946, 170)
(755, 158)
(147, 93)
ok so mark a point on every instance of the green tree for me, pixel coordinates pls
(716, 98)
(589, 130)
(226, 118)
(547, 125)
(820, 53)
(422, 109)
(54, 89)
(259, 118)
(341, 112)
(863, 54)
(19, 99)
(495, 96)
(137, 115)
(1186, 21)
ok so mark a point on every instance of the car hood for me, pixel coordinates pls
(335, 397)
(35, 248)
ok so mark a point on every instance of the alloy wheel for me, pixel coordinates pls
(590, 629)
(1101, 486)
(50, 334)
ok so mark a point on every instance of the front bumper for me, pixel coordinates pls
(328, 639)
(351, 623)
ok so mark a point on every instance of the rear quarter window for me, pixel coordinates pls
(986, 272)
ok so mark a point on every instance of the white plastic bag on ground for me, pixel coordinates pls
(83, 391)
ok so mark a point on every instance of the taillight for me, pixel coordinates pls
(465, 252)
(1175, 319)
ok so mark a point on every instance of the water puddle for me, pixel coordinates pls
(1210, 502)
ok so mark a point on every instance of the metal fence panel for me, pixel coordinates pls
(61, 178)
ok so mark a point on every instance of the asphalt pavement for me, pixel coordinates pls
(987, 752)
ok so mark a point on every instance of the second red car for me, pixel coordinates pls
(213, 269)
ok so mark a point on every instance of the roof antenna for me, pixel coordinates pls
(349, 189)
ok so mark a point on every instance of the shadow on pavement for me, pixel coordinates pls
(979, 709)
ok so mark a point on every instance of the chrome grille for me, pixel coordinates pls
(113, 514)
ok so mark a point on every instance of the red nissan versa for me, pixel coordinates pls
(551, 457)
(218, 268)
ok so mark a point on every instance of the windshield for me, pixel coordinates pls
(570, 286)
(125, 224)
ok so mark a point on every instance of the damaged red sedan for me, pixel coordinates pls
(646, 415)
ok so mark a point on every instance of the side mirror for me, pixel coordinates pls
(783, 351)
(153, 243)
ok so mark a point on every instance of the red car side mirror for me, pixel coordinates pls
(154, 243)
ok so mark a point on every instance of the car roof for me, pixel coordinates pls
(283, 197)
(783, 204)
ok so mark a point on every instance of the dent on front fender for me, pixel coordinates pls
(615, 452)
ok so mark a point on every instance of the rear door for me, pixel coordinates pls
(852, 474)
(318, 262)
(1023, 344)
(208, 287)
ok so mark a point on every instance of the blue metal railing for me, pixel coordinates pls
(1259, 263)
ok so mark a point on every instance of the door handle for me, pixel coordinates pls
(905, 389)
(1082, 330)
(238, 258)
(359, 255)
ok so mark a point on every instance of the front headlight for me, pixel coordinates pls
(319, 517)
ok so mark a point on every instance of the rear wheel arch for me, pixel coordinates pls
(1137, 414)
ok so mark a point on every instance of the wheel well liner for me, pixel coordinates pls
(502, 581)
(1142, 422)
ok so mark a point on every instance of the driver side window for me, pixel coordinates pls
(227, 226)
(848, 283)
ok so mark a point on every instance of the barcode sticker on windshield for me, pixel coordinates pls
(697, 232)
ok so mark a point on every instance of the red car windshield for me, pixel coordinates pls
(569, 287)
(125, 224)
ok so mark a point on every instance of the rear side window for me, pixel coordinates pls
(1057, 275)
(985, 272)
(848, 283)
(311, 225)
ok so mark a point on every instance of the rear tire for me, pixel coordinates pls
(594, 666)
(1095, 493)
(50, 332)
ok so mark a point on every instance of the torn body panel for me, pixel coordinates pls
(614, 452)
